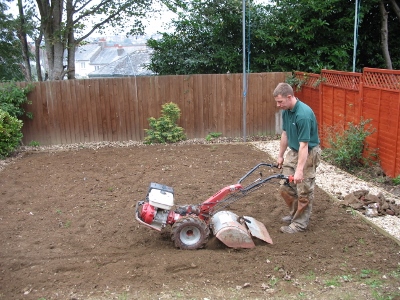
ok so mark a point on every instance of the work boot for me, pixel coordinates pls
(289, 229)
(287, 219)
(290, 199)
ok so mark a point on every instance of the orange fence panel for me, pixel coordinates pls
(344, 97)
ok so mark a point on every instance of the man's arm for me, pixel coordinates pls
(302, 158)
(282, 149)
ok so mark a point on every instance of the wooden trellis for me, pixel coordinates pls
(343, 97)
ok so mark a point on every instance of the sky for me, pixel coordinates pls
(155, 24)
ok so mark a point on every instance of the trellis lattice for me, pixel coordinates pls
(308, 79)
(387, 80)
(346, 80)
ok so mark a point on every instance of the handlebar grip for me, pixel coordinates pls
(290, 178)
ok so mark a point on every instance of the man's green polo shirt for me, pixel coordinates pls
(300, 125)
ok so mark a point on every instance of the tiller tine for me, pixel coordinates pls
(257, 229)
(227, 227)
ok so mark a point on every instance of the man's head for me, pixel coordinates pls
(284, 96)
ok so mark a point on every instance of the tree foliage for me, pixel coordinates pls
(63, 21)
(10, 133)
(288, 35)
(10, 49)
(371, 51)
(207, 39)
(13, 98)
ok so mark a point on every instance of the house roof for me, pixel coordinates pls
(110, 54)
(132, 64)
(86, 52)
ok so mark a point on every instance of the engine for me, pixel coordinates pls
(156, 210)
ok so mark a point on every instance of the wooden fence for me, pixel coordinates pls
(342, 97)
(117, 109)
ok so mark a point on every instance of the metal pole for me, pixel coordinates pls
(244, 68)
(355, 36)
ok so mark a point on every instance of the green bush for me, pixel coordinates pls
(165, 129)
(213, 135)
(348, 149)
(10, 133)
(12, 98)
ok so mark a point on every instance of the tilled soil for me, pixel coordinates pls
(68, 231)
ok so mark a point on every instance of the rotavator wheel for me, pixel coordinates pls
(189, 233)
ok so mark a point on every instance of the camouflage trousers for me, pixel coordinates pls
(299, 197)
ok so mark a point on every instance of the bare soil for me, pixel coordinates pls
(68, 232)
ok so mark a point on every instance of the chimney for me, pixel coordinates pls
(120, 50)
(102, 42)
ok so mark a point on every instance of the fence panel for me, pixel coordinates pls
(349, 97)
(382, 105)
(115, 109)
(344, 96)
(111, 109)
(309, 91)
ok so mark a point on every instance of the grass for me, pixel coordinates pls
(374, 283)
(123, 296)
(333, 282)
(34, 144)
(67, 224)
(311, 276)
(365, 273)
(396, 180)
(273, 281)
(395, 274)
(213, 135)
(352, 211)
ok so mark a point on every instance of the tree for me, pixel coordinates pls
(61, 21)
(207, 39)
(301, 35)
(24, 26)
(385, 34)
(10, 49)
(377, 48)
(384, 8)
(311, 35)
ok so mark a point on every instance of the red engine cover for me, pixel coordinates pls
(148, 213)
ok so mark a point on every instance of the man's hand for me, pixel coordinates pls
(280, 162)
(298, 177)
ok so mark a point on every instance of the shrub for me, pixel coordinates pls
(12, 97)
(213, 135)
(165, 129)
(10, 133)
(348, 149)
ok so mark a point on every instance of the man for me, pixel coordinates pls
(300, 134)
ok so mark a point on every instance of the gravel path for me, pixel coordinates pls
(338, 184)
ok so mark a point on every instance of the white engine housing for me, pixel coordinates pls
(161, 199)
